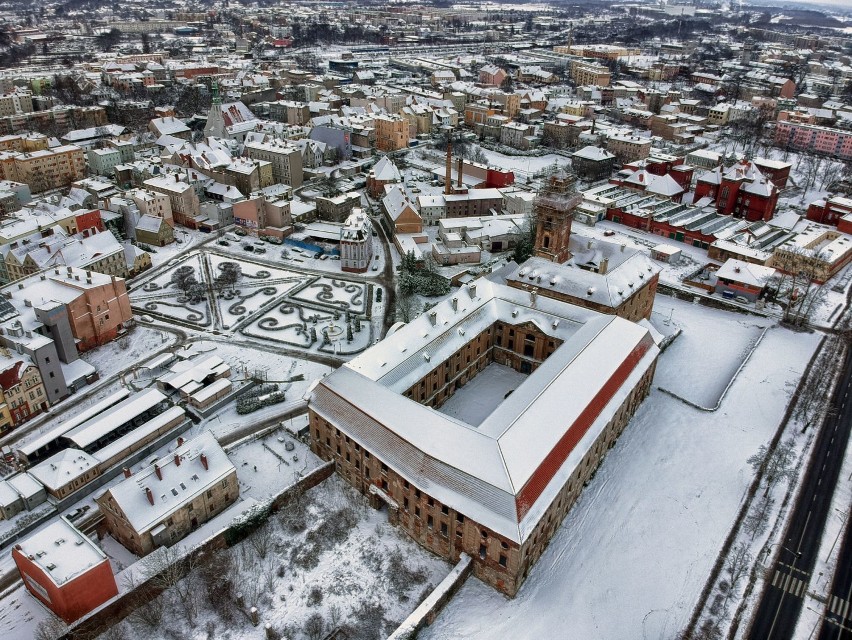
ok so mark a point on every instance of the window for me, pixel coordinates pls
(417, 493)
(502, 560)
(445, 510)
(416, 512)
(459, 518)
(405, 504)
(430, 521)
(483, 550)
(444, 529)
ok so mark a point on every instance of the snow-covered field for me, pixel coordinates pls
(722, 339)
(478, 398)
(632, 556)
(140, 342)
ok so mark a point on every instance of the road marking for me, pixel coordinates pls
(789, 584)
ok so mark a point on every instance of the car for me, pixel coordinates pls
(248, 247)
(318, 255)
(742, 300)
(335, 257)
(609, 232)
(323, 257)
(258, 249)
(224, 243)
(375, 267)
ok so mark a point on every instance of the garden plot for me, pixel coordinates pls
(300, 326)
(243, 288)
(732, 337)
(332, 292)
(179, 293)
(325, 561)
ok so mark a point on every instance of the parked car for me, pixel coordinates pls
(224, 243)
(248, 247)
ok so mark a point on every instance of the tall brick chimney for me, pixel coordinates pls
(158, 471)
(460, 168)
(150, 495)
(177, 460)
(203, 459)
(127, 472)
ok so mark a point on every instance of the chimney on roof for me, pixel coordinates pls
(472, 290)
(177, 460)
(127, 472)
(203, 459)
(150, 495)
(455, 304)
(180, 442)
(158, 471)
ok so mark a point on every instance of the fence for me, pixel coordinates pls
(313, 248)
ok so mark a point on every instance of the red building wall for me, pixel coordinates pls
(88, 221)
(75, 598)
(497, 178)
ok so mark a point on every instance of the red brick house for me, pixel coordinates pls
(830, 210)
(741, 191)
(65, 570)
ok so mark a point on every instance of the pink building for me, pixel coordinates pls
(814, 138)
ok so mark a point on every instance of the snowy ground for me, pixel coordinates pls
(730, 346)
(140, 341)
(184, 239)
(632, 556)
(478, 398)
(327, 556)
(265, 466)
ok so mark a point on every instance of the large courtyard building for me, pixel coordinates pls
(479, 422)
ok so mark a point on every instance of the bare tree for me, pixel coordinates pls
(168, 569)
(50, 629)
(260, 540)
(755, 521)
(738, 563)
(315, 626)
(777, 464)
(811, 166)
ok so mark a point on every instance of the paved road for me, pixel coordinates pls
(837, 621)
(782, 597)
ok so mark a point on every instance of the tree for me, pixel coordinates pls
(146, 43)
(406, 306)
(755, 521)
(108, 39)
(776, 464)
(50, 629)
(183, 278)
(738, 563)
(260, 540)
(315, 626)
(167, 569)
(479, 156)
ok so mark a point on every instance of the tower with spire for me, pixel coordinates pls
(215, 120)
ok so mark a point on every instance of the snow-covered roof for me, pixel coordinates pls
(63, 467)
(187, 372)
(745, 272)
(386, 171)
(26, 485)
(626, 272)
(203, 463)
(396, 202)
(211, 389)
(493, 473)
(100, 425)
(113, 449)
(61, 551)
(593, 153)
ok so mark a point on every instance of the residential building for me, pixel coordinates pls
(171, 498)
(22, 390)
(836, 143)
(628, 148)
(592, 163)
(382, 173)
(337, 208)
(46, 169)
(185, 205)
(285, 158)
(392, 132)
(401, 216)
(356, 242)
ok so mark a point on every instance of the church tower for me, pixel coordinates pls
(215, 121)
(553, 210)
